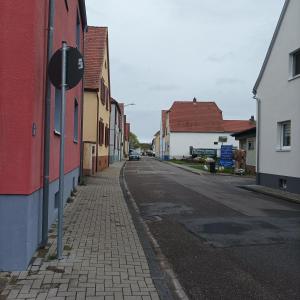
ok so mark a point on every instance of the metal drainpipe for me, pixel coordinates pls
(257, 138)
(81, 121)
(47, 131)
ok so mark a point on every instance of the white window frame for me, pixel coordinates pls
(293, 76)
(280, 146)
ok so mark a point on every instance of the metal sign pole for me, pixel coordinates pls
(62, 153)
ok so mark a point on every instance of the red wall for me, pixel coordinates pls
(23, 56)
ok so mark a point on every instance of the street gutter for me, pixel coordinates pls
(165, 280)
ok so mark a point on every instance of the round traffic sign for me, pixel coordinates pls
(74, 68)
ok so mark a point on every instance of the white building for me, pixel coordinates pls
(277, 91)
(116, 134)
(199, 125)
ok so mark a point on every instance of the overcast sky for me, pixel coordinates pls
(167, 50)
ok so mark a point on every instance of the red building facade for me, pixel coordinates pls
(25, 41)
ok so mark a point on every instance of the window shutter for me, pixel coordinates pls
(106, 97)
(101, 133)
(102, 92)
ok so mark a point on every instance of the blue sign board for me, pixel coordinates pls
(226, 156)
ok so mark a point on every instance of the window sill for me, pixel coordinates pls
(287, 149)
(57, 133)
(294, 77)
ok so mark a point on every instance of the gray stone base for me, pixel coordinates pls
(21, 223)
(273, 181)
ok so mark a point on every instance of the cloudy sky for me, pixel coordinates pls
(167, 50)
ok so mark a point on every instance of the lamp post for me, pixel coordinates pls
(129, 104)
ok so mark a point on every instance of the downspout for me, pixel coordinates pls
(258, 101)
(81, 122)
(97, 132)
(109, 90)
(47, 130)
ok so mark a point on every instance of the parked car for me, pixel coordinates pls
(134, 156)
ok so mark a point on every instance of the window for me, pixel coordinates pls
(102, 92)
(57, 111)
(295, 63)
(282, 184)
(101, 133)
(106, 98)
(106, 136)
(284, 135)
(56, 199)
(250, 145)
(78, 29)
(75, 120)
(223, 139)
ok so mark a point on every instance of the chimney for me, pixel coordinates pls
(194, 100)
(252, 120)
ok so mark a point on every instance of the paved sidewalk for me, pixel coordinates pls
(103, 257)
(273, 192)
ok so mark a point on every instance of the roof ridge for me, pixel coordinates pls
(270, 49)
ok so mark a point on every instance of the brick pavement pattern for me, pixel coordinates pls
(103, 257)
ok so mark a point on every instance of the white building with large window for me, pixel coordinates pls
(277, 91)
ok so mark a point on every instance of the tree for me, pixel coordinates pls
(133, 141)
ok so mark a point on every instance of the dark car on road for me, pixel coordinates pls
(134, 156)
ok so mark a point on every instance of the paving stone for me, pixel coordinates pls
(104, 259)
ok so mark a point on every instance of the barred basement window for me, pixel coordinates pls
(56, 199)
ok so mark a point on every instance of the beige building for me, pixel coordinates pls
(247, 142)
(156, 144)
(96, 110)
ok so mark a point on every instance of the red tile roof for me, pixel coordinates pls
(190, 116)
(95, 43)
(237, 125)
(197, 116)
(163, 118)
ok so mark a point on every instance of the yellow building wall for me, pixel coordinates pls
(90, 117)
(103, 113)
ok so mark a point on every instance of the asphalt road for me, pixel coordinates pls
(222, 241)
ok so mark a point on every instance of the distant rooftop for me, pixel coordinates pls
(200, 116)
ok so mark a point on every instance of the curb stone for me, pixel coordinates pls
(273, 193)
